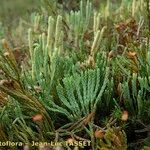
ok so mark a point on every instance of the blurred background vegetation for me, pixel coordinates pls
(12, 10)
(15, 15)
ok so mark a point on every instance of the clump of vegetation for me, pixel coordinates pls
(77, 71)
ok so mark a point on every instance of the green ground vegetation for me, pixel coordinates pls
(75, 71)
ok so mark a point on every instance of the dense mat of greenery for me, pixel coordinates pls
(76, 76)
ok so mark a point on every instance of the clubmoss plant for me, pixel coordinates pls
(72, 67)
